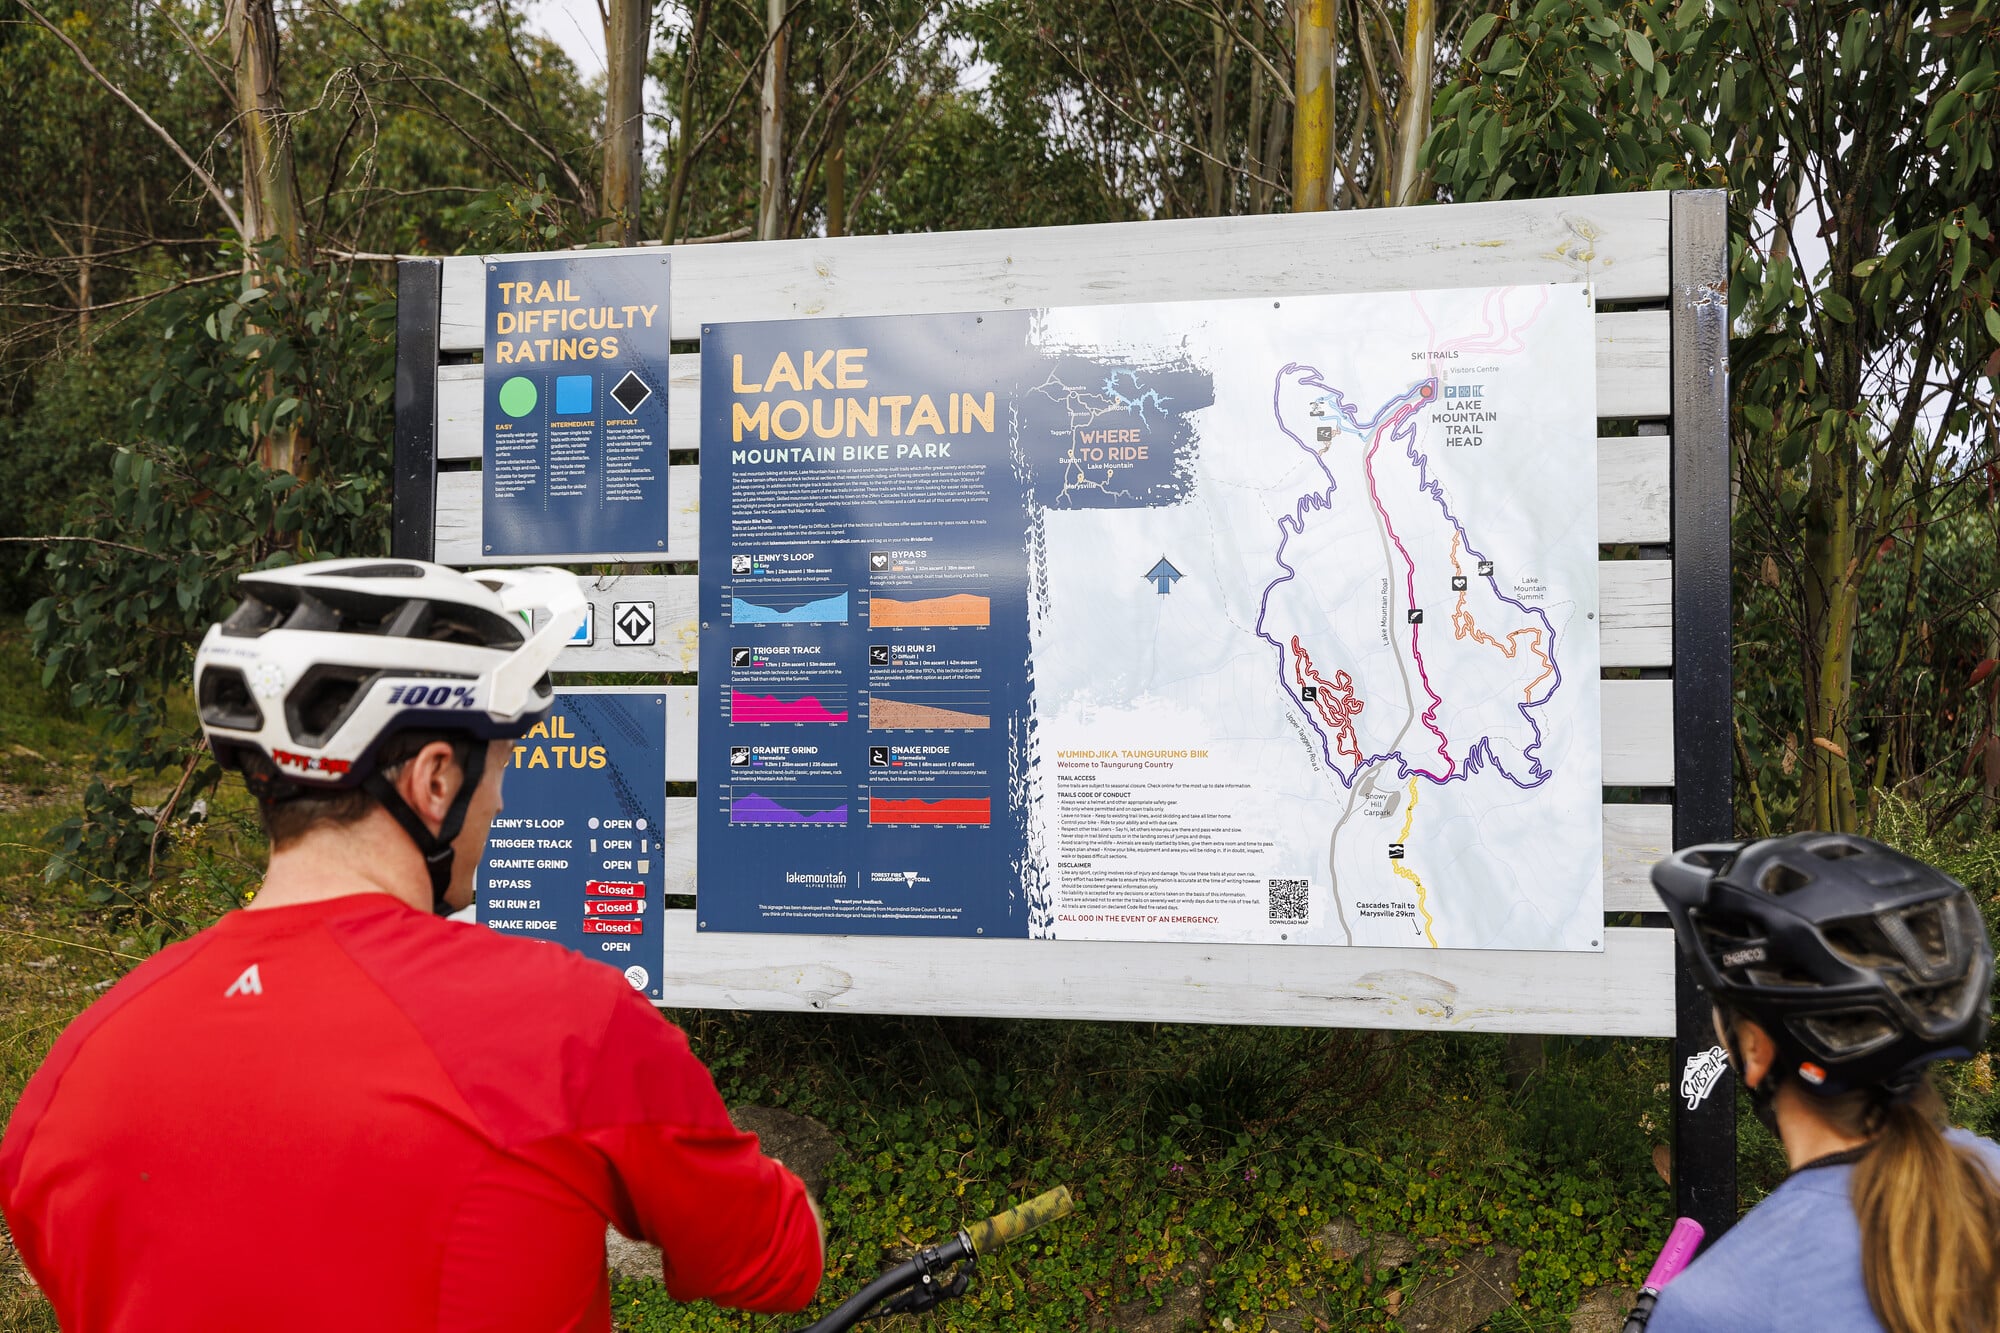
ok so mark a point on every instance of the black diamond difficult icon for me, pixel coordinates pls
(631, 391)
(631, 624)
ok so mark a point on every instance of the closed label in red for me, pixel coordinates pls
(611, 888)
(594, 926)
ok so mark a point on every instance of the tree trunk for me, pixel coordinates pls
(1832, 603)
(626, 35)
(684, 132)
(1214, 167)
(270, 183)
(1253, 140)
(86, 236)
(1313, 87)
(271, 206)
(1414, 116)
(836, 145)
(771, 127)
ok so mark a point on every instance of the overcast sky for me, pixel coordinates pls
(576, 27)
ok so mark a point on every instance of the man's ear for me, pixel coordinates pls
(428, 780)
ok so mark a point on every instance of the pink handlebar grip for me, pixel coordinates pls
(1678, 1253)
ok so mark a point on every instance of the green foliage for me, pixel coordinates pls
(943, 1123)
(1575, 97)
(147, 558)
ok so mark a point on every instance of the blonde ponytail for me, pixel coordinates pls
(1929, 1211)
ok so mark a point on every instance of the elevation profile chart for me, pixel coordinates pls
(1245, 621)
(779, 608)
(950, 609)
(895, 805)
(825, 706)
(822, 807)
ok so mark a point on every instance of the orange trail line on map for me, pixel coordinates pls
(1463, 627)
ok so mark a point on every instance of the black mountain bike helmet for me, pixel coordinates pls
(1863, 964)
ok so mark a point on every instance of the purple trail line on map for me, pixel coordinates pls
(1399, 412)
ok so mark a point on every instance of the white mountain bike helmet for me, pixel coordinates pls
(322, 663)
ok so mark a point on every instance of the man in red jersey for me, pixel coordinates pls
(337, 1110)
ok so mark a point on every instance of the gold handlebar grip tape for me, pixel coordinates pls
(997, 1232)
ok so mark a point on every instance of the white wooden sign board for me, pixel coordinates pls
(1623, 244)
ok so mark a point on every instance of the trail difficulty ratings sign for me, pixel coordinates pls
(575, 855)
(1215, 621)
(576, 406)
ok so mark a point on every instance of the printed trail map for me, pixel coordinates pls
(1332, 677)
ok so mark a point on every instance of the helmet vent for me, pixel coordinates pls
(1847, 1032)
(1771, 976)
(1834, 849)
(226, 700)
(384, 571)
(1781, 879)
(322, 699)
(1860, 942)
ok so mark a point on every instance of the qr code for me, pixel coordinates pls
(1290, 899)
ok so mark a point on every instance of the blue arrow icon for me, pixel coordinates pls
(1164, 575)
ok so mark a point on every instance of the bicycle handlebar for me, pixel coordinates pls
(932, 1266)
(1003, 1229)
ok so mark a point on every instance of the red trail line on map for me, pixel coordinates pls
(1334, 699)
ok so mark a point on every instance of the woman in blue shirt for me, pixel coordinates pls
(1839, 971)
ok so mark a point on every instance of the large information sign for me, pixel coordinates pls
(1214, 621)
(575, 457)
(575, 855)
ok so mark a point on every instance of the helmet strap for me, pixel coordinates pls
(436, 848)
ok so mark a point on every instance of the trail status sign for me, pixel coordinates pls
(575, 438)
(575, 855)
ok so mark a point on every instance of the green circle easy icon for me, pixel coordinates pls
(517, 396)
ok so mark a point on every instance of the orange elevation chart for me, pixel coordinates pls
(916, 710)
(938, 805)
(962, 608)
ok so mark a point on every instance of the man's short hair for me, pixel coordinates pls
(303, 809)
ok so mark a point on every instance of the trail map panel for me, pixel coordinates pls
(1243, 620)
(575, 856)
(575, 447)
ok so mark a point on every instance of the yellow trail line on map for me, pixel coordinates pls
(1409, 818)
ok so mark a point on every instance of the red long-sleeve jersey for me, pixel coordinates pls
(351, 1115)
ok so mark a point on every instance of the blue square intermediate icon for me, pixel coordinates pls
(572, 395)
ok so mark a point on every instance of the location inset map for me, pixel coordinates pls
(1367, 712)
